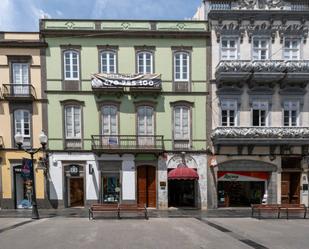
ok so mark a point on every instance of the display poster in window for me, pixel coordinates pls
(26, 169)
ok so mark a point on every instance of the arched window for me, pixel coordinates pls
(108, 62)
(71, 65)
(144, 62)
(181, 66)
(72, 122)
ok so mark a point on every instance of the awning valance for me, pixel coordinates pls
(183, 173)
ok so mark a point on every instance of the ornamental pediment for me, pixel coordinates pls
(260, 4)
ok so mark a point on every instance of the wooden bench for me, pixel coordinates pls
(103, 208)
(270, 208)
(292, 208)
(132, 208)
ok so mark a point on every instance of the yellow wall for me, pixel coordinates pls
(7, 173)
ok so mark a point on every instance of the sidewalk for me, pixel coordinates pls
(153, 213)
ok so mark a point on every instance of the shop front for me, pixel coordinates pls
(241, 189)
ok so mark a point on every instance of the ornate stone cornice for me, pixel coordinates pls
(260, 132)
(263, 29)
(230, 30)
(300, 30)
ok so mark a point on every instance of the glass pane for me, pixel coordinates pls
(256, 118)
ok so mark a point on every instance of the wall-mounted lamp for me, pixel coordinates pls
(91, 170)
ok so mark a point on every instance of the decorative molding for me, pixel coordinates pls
(299, 30)
(230, 30)
(263, 29)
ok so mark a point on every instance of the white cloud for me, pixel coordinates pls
(59, 13)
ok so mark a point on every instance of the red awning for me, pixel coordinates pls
(182, 173)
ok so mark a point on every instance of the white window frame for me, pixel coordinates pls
(291, 49)
(181, 67)
(289, 105)
(108, 54)
(22, 66)
(144, 62)
(73, 136)
(259, 48)
(71, 73)
(261, 108)
(231, 105)
(22, 122)
(145, 121)
(229, 49)
(109, 117)
(181, 136)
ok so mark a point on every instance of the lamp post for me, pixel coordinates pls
(19, 140)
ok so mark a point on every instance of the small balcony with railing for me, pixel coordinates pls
(120, 144)
(261, 72)
(23, 92)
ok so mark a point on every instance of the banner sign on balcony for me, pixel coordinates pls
(126, 80)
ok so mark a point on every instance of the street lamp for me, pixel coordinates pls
(19, 140)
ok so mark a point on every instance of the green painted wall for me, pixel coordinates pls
(126, 64)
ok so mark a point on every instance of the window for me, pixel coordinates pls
(73, 122)
(228, 113)
(71, 65)
(108, 62)
(181, 123)
(111, 187)
(181, 67)
(291, 49)
(144, 62)
(229, 49)
(260, 48)
(145, 125)
(259, 112)
(109, 124)
(20, 75)
(22, 123)
(290, 113)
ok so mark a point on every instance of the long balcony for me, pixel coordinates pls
(127, 144)
(256, 72)
(262, 136)
(19, 92)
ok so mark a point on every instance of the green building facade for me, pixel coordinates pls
(127, 112)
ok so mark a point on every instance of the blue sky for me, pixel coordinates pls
(23, 15)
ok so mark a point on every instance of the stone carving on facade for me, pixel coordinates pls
(263, 29)
(230, 29)
(298, 66)
(299, 30)
(259, 4)
(234, 66)
(249, 4)
(260, 132)
(268, 66)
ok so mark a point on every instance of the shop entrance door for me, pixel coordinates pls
(146, 186)
(181, 193)
(290, 188)
(76, 192)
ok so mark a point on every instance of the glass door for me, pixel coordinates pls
(110, 190)
(21, 79)
(145, 126)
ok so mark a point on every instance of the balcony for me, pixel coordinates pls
(263, 136)
(24, 92)
(263, 72)
(120, 144)
(73, 144)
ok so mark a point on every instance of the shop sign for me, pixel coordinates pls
(242, 176)
(26, 168)
(124, 80)
(74, 170)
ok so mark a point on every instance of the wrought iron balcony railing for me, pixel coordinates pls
(19, 91)
(127, 143)
(260, 135)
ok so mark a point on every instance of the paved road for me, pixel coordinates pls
(155, 233)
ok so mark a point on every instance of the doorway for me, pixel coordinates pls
(146, 186)
(290, 188)
(181, 193)
(76, 191)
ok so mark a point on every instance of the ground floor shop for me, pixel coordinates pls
(242, 181)
(16, 181)
(80, 179)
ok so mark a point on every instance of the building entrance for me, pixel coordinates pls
(181, 193)
(146, 186)
(76, 192)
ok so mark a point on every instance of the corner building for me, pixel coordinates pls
(127, 104)
(259, 88)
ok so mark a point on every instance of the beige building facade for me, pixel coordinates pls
(22, 107)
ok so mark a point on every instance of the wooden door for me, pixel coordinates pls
(285, 188)
(146, 186)
(76, 192)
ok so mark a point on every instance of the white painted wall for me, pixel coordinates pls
(128, 178)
